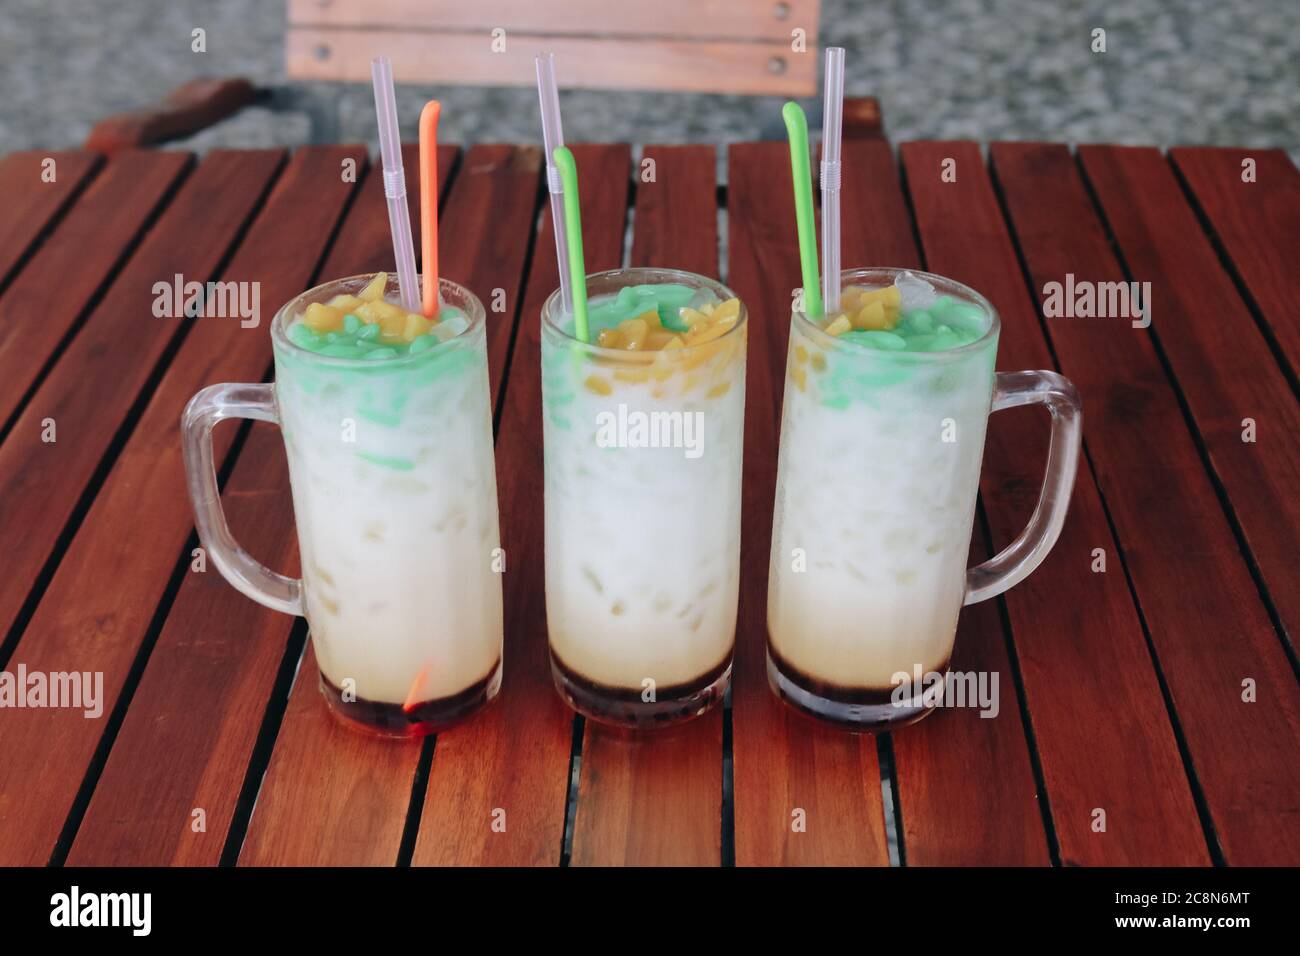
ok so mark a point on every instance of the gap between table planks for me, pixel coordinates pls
(965, 786)
(788, 770)
(33, 204)
(1256, 225)
(1207, 625)
(514, 757)
(92, 394)
(655, 798)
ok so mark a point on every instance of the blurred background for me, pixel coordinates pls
(1174, 72)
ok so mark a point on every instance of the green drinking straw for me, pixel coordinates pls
(573, 230)
(796, 126)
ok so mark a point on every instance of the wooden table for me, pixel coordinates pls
(1123, 736)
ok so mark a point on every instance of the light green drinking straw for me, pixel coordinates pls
(573, 231)
(796, 126)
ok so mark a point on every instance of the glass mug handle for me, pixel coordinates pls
(1007, 569)
(206, 408)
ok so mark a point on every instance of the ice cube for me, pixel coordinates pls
(916, 293)
(450, 327)
(703, 297)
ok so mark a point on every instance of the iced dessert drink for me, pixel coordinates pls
(643, 431)
(882, 434)
(388, 432)
(388, 429)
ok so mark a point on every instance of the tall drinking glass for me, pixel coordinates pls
(642, 497)
(882, 436)
(394, 491)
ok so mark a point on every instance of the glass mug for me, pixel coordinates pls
(877, 478)
(642, 533)
(393, 479)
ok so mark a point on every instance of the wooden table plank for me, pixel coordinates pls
(655, 799)
(783, 762)
(966, 790)
(140, 813)
(33, 205)
(1207, 625)
(1224, 366)
(487, 213)
(515, 756)
(328, 794)
(322, 800)
(1065, 619)
(1257, 224)
(47, 298)
(89, 396)
(252, 639)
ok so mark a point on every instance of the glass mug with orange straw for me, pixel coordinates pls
(381, 394)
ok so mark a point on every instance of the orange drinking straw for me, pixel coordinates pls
(429, 204)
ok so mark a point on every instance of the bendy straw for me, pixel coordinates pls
(796, 127)
(399, 216)
(568, 172)
(429, 204)
(832, 134)
(548, 95)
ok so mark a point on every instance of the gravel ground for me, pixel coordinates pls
(1176, 71)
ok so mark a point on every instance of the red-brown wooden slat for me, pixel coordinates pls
(1078, 638)
(1223, 363)
(515, 756)
(1258, 226)
(246, 647)
(140, 813)
(966, 790)
(1202, 609)
(322, 800)
(494, 178)
(88, 397)
(329, 795)
(218, 652)
(783, 762)
(655, 799)
(31, 204)
(47, 297)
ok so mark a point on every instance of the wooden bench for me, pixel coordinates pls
(759, 47)
(763, 47)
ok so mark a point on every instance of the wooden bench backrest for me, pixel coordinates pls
(702, 46)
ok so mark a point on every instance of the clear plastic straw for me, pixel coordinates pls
(399, 215)
(832, 134)
(553, 138)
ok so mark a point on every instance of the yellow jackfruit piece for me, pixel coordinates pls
(839, 326)
(374, 290)
(323, 318)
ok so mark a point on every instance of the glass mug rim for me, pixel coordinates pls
(810, 328)
(552, 308)
(460, 296)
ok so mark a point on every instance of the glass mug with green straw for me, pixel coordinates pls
(882, 437)
(642, 456)
(393, 479)
(643, 398)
